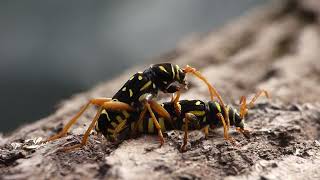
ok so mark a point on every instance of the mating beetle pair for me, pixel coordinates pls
(127, 109)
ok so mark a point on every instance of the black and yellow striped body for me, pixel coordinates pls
(205, 112)
(156, 78)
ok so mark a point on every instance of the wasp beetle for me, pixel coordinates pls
(193, 115)
(137, 96)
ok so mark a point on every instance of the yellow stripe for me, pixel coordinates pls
(179, 105)
(173, 73)
(139, 77)
(150, 126)
(198, 113)
(121, 126)
(126, 114)
(204, 119)
(114, 124)
(146, 85)
(131, 77)
(163, 69)
(218, 106)
(178, 75)
(111, 130)
(119, 119)
(163, 126)
(97, 127)
(130, 93)
(105, 112)
(198, 103)
(108, 117)
(112, 136)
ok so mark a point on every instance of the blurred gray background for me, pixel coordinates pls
(52, 49)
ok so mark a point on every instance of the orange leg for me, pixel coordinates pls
(156, 123)
(151, 105)
(243, 106)
(117, 105)
(159, 109)
(86, 134)
(206, 131)
(120, 127)
(189, 69)
(64, 131)
(258, 94)
(225, 129)
(107, 105)
(188, 117)
(212, 90)
(246, 133)
(244, 109)
(141, 117)
(243, 102)
(175, 101)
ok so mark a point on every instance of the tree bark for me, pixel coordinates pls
(275, 47)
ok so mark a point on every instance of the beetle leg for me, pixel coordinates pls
(243, 102)
(175, 102)
(175, 99)
(155, 106)
(212, 90)
(141, 117)
(206, 131)
(87, 133)
(258, 94)
(156, 123)
(245, 132)
(64, 131)
(225, 129)
(106, 105)
(188, 117)
(151, 105)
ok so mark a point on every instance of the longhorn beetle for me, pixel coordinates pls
(193, 114)
(138, 95)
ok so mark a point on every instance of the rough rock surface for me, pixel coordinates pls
(274, 47)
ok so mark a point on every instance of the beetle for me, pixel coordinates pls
(193, 115)
(137, 96)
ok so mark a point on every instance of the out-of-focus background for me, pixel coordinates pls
(52, 49)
